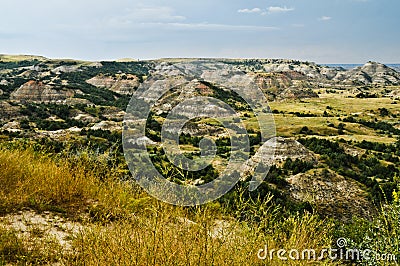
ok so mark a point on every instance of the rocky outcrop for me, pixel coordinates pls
(285, 85)
(332, 72)
(4, 82)
(65, 69)
(275, 152)
(275, 85)
(371, 73)
(86, 118)
(12, 126)
(96, 65)
(107, 125)
(113, 113)
(122, 84)
(289, 148)
(332, 194)
(279, 149)
(37, 91)
(309, 69)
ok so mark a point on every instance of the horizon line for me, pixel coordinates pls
(130, 59)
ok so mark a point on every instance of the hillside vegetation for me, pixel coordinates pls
(121, 225)
(67, 196)
(115, 223)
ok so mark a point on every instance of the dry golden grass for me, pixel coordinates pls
(70, 184)
(165, 239)
(128, 228)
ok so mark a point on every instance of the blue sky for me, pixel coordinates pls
(334, 31)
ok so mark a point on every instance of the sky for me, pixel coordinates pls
(322, 31)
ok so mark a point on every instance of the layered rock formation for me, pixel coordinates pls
(37, 91)
(285, 85)
(65, 69)
(122, 84)
(275, 152)
(371, 73)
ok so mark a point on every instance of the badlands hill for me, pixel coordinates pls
(38, 79)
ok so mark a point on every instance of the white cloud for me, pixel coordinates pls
(325, 18)
(278, 9)
(209, 26)
(246, 10)
(269, 10)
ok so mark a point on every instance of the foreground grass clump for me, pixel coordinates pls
(170, 238)
(71, 185)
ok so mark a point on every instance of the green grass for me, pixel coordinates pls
(339, 106)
